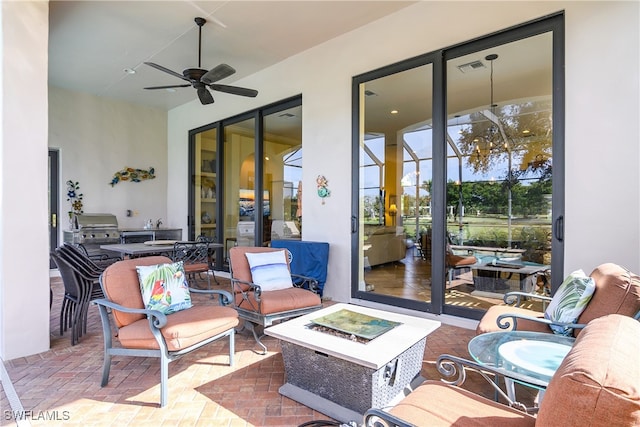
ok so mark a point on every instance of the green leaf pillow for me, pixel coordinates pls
(570, 300)
(164, 287)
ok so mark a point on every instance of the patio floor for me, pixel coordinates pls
(62, 385)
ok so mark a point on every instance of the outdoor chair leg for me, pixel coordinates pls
(252, 327)
(164, 380)
(106, 367)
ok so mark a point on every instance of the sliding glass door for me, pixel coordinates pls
(460, 160)
(246, 176)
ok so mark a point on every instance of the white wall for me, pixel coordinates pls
(98, 137)
(602, 137)
(24, 243)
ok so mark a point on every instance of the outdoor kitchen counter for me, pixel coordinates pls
(138, 235)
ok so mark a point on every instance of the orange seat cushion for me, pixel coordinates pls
(196, 268)
(183, 329)
(280, 300)
(488, 323)
(437, 404)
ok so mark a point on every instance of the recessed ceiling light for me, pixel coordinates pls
(394, 111)
(170, 89)
(129, 71)
(526, 131)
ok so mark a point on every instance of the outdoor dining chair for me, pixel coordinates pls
(196, 257)
(79, 290)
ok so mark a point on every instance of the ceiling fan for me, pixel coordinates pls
(202, 79)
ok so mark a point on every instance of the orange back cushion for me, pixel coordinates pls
(121, 285)
(617, 291)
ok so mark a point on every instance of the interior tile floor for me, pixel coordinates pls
(62, 386)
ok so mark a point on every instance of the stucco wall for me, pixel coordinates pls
(602, 45)
(24, 243)
(97, 137)
(602, 138)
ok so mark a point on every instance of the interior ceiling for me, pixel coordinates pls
(91, 43)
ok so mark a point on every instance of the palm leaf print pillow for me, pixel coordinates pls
(569, 301)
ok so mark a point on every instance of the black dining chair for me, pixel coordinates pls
(78, 290)
(196, 258)
(85, 265)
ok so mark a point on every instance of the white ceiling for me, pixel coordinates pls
(92, 42)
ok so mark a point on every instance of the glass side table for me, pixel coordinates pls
(533, 354)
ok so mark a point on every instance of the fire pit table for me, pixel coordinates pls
(345, 359)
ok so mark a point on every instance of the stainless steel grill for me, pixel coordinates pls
(93, 230)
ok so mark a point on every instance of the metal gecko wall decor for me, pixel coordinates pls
(323, 189)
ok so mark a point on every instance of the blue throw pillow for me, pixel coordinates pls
(269, 270)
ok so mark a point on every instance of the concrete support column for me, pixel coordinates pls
(24, 238)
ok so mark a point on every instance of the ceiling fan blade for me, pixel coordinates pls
(235, 90)
(217, 73)
(205, 96)
(166, 87)
(166, 70)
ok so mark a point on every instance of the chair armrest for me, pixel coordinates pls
(454, 370)
(299, 281)
(225, 296)
(375, 417)
(515, 298)
(504, 323)
(159, 319)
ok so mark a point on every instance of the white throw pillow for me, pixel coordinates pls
(164, 287)
(570, 300)
(269, 270)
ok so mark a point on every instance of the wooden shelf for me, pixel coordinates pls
(206, 200)
(207, 226)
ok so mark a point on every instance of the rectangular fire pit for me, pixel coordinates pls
(343, 378)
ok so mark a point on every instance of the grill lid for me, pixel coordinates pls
(95, 220)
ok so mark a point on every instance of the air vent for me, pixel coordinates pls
(369, 93)
(471, 66)
(286, 115)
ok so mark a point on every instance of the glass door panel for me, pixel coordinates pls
(395, 167)
(282, 175)
(205, 184)
(239, 205)
(499, 170)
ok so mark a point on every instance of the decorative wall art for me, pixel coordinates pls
(74, 196)
(323, 189)
(133, 175)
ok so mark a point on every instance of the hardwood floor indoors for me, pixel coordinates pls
(410, 278)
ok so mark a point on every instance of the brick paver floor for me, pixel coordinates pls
(62, 386)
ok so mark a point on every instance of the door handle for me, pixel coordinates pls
(354, 224)
(558, 228)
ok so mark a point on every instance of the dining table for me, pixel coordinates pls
(154, 247)
(134, 250)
